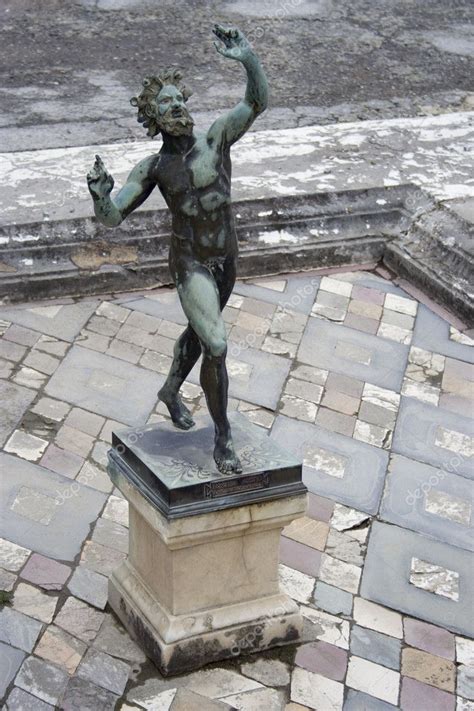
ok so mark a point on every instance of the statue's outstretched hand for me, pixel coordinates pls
(100, 182)
(232, 43)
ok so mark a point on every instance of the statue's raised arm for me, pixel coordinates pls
(234, 45)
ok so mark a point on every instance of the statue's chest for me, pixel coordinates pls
(189, 173)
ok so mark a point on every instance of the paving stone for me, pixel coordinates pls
(432, 334)
(357, 700)
(342, 403)
(383, 397)
(323, 658)
(185, 700)
(62, 322)
(387, 359)
(435, 578)
(84, 421)
(298, 408)
(42, 679)
(10, 661)
(279, 347)
(303, 389)
(111, 534)
(113, 639)
(268, 699)
(377, 415)
(99, 453)
(105, 385)
(376, 647)
(464, 651)
(388, 542)
(435, 640)
(375, 617)
(90, 586)
(102, 559)
(317, 376)
(26, 446)
(362, 483)
(345, 547)
(82, 694)
(373, 679)
(34, 603)
(42, 362)
(18, 630)
(20, 700)
(428, 668)
(300, 557)
(415, 696)
(51, 345)
(297, 294)
(333, 600)
(466, 682)
(394, 333)
(328, 298)
(47, 573)
(372, 434)
(74, 441)
(464, 704)
(6, 369)
(61, 461)
(270, 672)
(340, 574)
(103, 326)
(105, 671)
(261, 417)
(116, 510)
(361, 323)
(129, 352)
(219, 683)
(61, 648)
(21, 335)
(71, 507)
(421, 391)
(19, 399)
(347, 519)
(11, 351)
(327, 628)
(94, 477)
(297, 585)
(366, 309)
(147, 323)
(428, 500)
(12, 556)
(308, 531)
(7, 580)
(170, 329)
(319, 507)
(93, 341)
(417, 432)
(316, 691)
(335, 421)
(113, 311)
(33, 505)
(161, 304)
(51, 409)
(345, 384)
(79, 619)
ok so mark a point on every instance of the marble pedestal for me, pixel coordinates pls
(201, 580)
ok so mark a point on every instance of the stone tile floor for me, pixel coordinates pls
(374, 392)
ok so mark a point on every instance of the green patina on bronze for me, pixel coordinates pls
(193, 173)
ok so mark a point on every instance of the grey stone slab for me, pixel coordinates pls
(333, 600)
(432, 333)
(162, 304)
(254, 376)
(358, 701)
(42, 679)
(76, 507)
(372, 281)
(376, 647)
(362, 481)
(374, 360)
(466, 682)
(106, 385)
(428, 500)
(18, 630)
(10, 661)
(105, 671)
(84, 696)
(20, 700)
(387, 572)
(298, 295)
(62, 322)
(420, 426)
(18, 399)
(90, 586)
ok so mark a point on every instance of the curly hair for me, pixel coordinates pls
(152, 86)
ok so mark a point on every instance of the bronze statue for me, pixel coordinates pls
(193, 173)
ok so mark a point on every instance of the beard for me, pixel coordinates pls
(181, 125)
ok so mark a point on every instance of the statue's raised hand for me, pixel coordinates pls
(100, 181)
(232, 43)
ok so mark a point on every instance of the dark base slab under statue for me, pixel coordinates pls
(201, 580)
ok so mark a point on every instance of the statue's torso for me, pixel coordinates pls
(196, 188)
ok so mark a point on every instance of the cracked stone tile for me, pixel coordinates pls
(113, 639)
(381, 397)
(297, 585)
(100, 558)
(304, 390)
(260, 417)
(95, 477)
(113, 311)
(26, 446)
(373, 679)
(18, 630)
(29, 378)
(12, 556)
(400, 304)
(372, 434)
(466, 682)
(440, 503)
(378, 618)
(268, 699)
(79, 619)
(41, 361)
(34, 603)
(271, 672)
(279, 347)
(61, 648)
(332, 600)
(20, 700)
(345, 547)
(93, 341)
(340, 574)
(316, 691)
(459, 337)
(42, 679)
(219, 683)
(329, 313)
(345, 518)
(89, 586)
(52, 409)
(185, 700)
(335, 286)
(308, 531)
(310, 374)
(421, 391)
(105, 671)
(434, 578)
(103, 326)
(465, 651)
(328, 462)
(117, 510)
(394, 333)
(326, 627)
(82, 694)
(298, 408)
(428, 668)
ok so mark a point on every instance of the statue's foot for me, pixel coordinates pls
(225, 457)
(179, 413)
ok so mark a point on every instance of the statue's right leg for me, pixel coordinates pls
(187, 350)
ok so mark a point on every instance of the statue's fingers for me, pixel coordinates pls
(220, 48)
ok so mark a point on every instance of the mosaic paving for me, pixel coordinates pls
(374, 392)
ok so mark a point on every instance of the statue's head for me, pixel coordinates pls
(162, 104)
